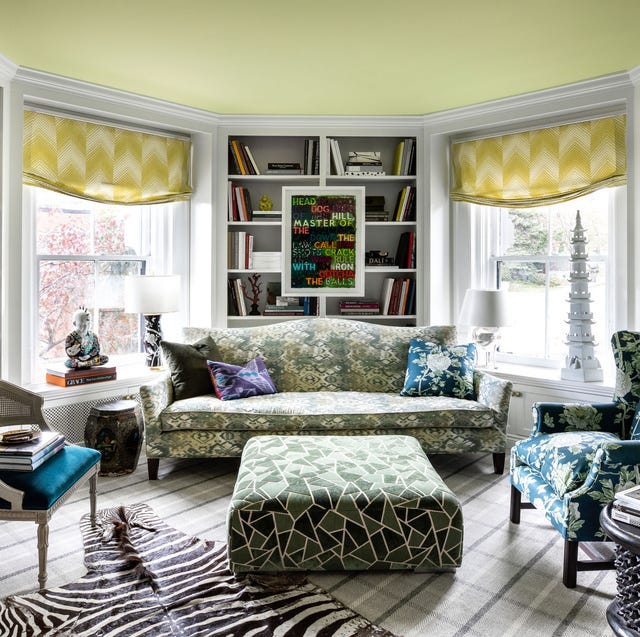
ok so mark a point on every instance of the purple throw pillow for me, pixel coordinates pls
(236, 381)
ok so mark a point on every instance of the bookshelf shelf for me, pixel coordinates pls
(310, 148)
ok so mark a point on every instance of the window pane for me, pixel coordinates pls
(524, 231)
(62, 230)
(64, 286)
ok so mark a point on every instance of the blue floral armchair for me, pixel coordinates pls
(578, 456)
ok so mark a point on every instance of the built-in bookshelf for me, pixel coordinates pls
(385, 163)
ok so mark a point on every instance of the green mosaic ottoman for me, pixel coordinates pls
(341, 503)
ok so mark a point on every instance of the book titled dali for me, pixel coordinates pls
(27, 456)
(65, 377)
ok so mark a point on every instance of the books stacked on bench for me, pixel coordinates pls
(365, 163)
(27, 456)
(626, 506)
(66, 377)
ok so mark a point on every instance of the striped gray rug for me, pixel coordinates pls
(509, 582)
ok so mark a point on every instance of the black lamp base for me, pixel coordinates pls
(152, 339)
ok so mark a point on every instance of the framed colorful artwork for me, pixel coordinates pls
(323, 241)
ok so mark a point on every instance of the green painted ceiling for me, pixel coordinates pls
(345, 57)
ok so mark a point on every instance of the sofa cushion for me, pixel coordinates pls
(188, 366)
(563, 459)
(240, 381)
(325, 411)
(313, 354)
(436, 370)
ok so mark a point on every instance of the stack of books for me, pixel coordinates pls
(405, 209)
(27, 456)
(364, 163)
(626, 506)
(292, 308)
(336, 156)
(267, 261)
(374, 208)
(284, 168)
(361, 307)
(379, 258)
(66, 377)
(239, 250)
(406, 252)
(311, 157)
(236, 305)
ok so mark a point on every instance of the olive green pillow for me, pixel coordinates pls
(188, 366)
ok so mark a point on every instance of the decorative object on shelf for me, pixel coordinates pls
(323, 241)
(379, 258)
(115, 430)
(486, 311)
(82, 345)
(581, 363)
(152, 295)
(254, 297)
(265, 203)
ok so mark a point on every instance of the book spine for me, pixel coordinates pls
(624, 516)
(82, 380)
(31, 463)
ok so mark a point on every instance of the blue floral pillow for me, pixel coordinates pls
(236, 381)
(436, 370)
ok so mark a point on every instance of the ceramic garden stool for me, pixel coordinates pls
(341, 503)
(115, 429)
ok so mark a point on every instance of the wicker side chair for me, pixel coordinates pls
(35, 495)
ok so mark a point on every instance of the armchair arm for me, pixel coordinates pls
(155, 398)
(20, 406)
(615, 466)
(559, 417)
(495, 393)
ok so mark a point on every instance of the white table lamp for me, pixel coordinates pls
(152, 295)
(486, 311)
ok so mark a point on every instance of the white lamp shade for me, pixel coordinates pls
(152, 294)
(484, 308)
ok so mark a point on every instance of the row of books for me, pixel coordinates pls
(239, 203)
(27, 456)
(626, 506)
(405, 209)
(398, 296)
(239, 250)
(370, 162)
(406, 252)
(241, 159)
(404, 161)
(236, 305)
(242, 162)
(66, 377)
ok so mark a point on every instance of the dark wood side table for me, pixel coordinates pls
(623, 614)
(115, 429)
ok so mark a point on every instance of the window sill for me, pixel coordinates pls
(549, 377)
(130, 377)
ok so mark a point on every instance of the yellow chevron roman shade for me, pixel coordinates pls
(540, 167)
(104, 163)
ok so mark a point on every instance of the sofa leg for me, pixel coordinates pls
(498, 462)
(570, 569)
(153, 464)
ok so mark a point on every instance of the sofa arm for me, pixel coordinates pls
(559, 417)
(495, 393)
(155, 397)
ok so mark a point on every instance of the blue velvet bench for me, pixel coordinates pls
(341, 503)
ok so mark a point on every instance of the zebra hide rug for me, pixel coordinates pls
(147, 579)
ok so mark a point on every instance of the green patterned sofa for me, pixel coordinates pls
(333, 376)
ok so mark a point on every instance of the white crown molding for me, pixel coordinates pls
(604, 90)
(7, 69)
(36, 81)
(319, 121)
(634, 75)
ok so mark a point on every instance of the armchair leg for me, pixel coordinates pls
(516, 503)
(93, 490)
(498, 462)
(570, 567)
(43, 545)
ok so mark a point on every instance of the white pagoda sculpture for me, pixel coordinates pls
(581, 363)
